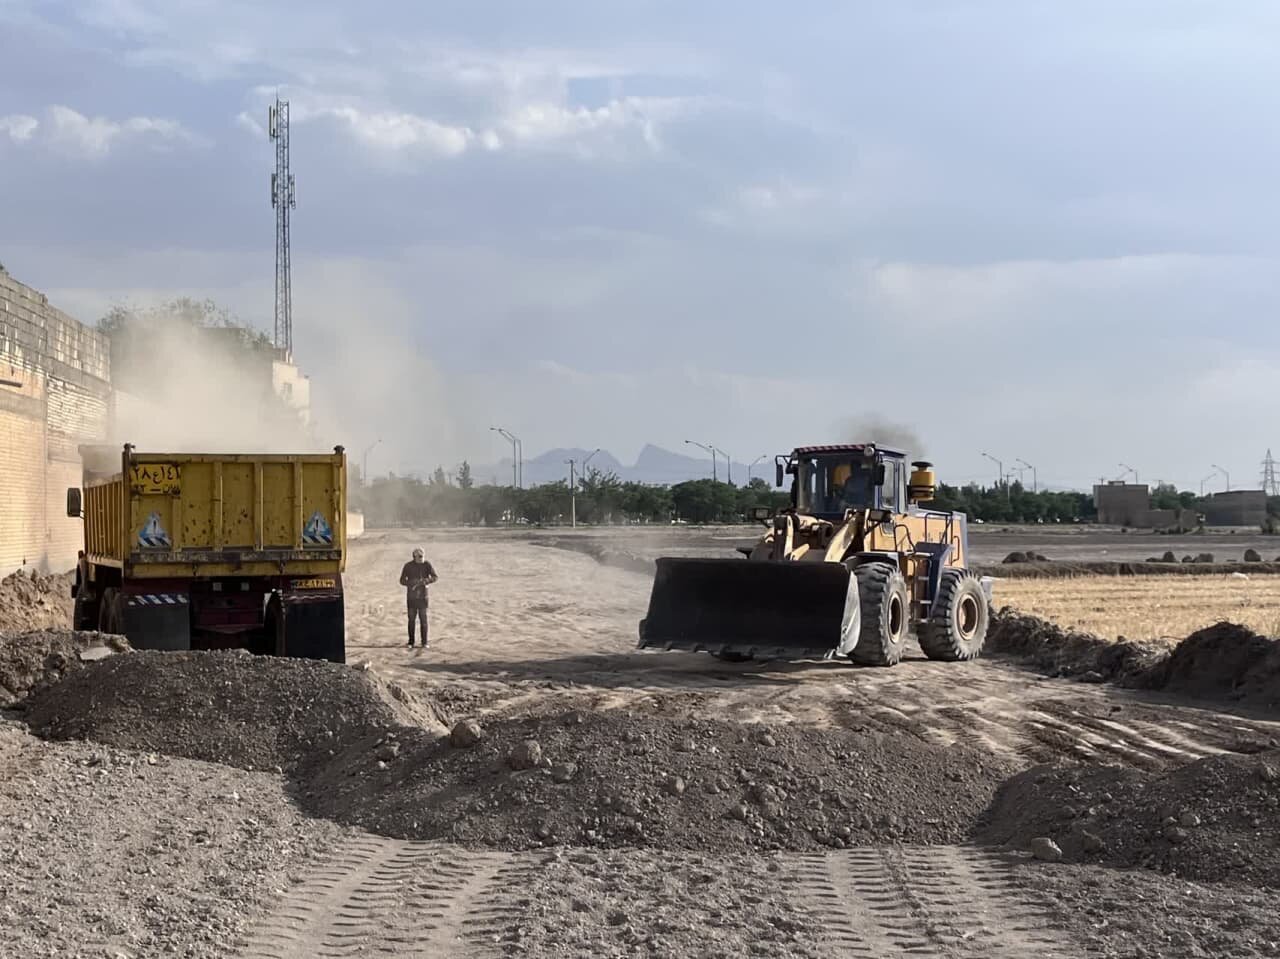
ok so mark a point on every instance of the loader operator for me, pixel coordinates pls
(855, 491)
(416, 576)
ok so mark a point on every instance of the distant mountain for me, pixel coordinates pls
(653, 465)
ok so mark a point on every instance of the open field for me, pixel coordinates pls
(681, 806)
(1167, 608)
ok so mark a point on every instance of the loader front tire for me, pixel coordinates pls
(958, 619)
(883, 599)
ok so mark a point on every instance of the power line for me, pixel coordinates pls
(282, 200)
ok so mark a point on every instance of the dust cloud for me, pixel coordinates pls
(184, 388)
(874, 428)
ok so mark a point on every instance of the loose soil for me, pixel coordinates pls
(1215, 819)
(255, 713)
(33, 601)
(31, 662)
(626, 779)
(113, 853)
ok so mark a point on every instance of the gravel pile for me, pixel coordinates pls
(1227, 662)
(588, 903)
(112, 853)
(31, 662)
(1064, 652)
(31, 601)
(1223, 662)
(1216, 819)
(619, 779)
(254, 712)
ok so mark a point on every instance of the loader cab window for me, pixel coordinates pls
(831, 485)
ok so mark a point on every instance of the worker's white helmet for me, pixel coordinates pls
(417, 552)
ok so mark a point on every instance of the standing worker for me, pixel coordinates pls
(416, 576)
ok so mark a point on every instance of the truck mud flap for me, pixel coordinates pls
(156, 620)
(754, 608)
(315, 628)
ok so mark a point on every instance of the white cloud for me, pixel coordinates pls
(400, 131)
(19, 126)
(73, 132)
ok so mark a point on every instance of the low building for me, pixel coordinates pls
(1241, 507)
(1122, 504)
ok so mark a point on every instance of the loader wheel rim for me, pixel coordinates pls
(967, 617)
(895, 616)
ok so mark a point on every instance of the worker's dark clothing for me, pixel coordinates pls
(416, 577)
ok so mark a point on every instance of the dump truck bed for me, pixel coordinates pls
(166, 515)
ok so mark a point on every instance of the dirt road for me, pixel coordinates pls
(518, 629)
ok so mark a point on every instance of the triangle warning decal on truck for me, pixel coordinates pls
(317, 532)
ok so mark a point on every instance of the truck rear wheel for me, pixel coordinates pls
(958, 618)
(110, 619)
(883, 598)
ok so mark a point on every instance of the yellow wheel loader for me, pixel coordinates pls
(849, 569)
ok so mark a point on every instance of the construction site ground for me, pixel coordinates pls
(673, 805)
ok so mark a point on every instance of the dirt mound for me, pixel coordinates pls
(30, 662)
(1224, 661)
(1215, 819)
(254, 712)
(1067, 653)
(32, 601)
(603, 553)
(1202, 565)
(617, 779)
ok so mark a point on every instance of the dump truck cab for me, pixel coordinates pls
(848, 569)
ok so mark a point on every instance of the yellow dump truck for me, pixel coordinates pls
(214, 551)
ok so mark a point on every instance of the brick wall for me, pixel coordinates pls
(61, 371)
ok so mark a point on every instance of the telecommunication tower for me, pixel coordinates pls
(282, 201)
(1269, 481)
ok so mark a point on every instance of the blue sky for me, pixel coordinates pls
(1043, 230)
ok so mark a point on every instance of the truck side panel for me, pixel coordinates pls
(104, 522)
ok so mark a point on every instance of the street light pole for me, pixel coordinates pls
(1000, 469)
(753, 465)
(1224, 473)
(1035, 480)
(573, 487)
(517, 455)
(715, 478)
(728, 465)
(1205, 480)
(1129, 469)
(364, 469)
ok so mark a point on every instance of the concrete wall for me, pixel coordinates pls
(355, 524)
(1170, 519)
(54, 396)
(1243, 507)
(1122, 504)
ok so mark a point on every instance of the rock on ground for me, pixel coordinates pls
(1212, 820)
(112, 852)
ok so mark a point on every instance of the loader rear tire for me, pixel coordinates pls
(882, 593)
(110, 618)
(958, 619)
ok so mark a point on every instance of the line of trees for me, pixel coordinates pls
(604, 499)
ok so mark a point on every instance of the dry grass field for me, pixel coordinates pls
(1147, 607)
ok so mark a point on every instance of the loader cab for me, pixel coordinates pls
(830, 480)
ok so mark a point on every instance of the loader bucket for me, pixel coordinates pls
(769, 610)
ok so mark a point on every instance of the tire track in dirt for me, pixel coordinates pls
(395, 898)
(926, 902)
